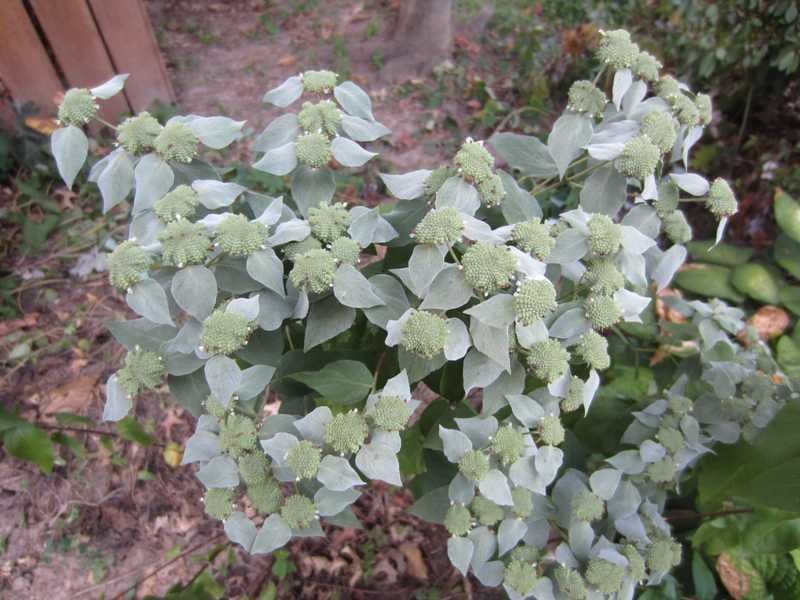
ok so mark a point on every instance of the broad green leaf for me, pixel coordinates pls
(362, 130)
(336, 474)
(149, 300)
(118, 403)
(278, 161)
(369, 227)
(604, 191)
(194, 289)
(787, 214)
(326, 319)
(254, 380)
(571, 132)
(214, 132)
(274, 534)
(378, 461)
(449, 289)
(342, 382)
(153, 178)
(216, 194)
(497, 311)
(311, 187)
(202, 446)
(286, 93)
(110, 88)
(70, 148)
(519, 204)
(219, 472)
(330, 503)
(281, 131)
(265, 267)
(116, 180)
(130, 429)
(525, 153)
(705, 585)
(571, 245)
(459, 551)
(352, 289)
(349, 154)
(190, 391)
(354, 100)
(30, 443)
(393, 295)
(223, 377)
(240, 530)
(406, 186)
(459, 194)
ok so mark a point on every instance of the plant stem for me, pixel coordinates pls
(378, 366)
(453, 254)
(288, 337)
(104, 122)
(709, 515)
(89, 431)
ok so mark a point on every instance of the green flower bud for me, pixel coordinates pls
(570, 583)
(703, 104)
(534, 299)
(533, 237)
(225, 332)
(436, 179)
(488, 268)
(647, 66)
(184, 243)
(176, 142)
(663, 554)
(492, 190)
(319, 81)
(137, 134)
(605, 236)
(668, 87)
(520, 577)
(677, 227)
(525, 553)
(237, 235)
(639, 158)
(603, 277)
(685, 110)
(346, 432)
(266, 497)
(508, 444)
(313, 149)
(126, 264)
(586, 97)
(254, 467)
(458, 520)
(345, 250)
(295, 249)
(474, 465)
(587, 506)
(180, 203)
(424, 334)
(304, 459)
(238, 435)
(548, 359)
(523, 502)
(474, 161)
(142, 370)
(574, 397)
(215, 408)
(219, 503)
(593, 348)
(720, 200)
(323, 117)
(487, 512)
(389, 413)
(313, 271)
(680, 405)
(662, 471)
(602, 311)
(439, 226)
(668, 198)
(671, 439)
(551, 431)
(636, 569)
(329, 221)
(298, 511)
(77, 108)
(658, 126)
(606, 576)
(617, 50)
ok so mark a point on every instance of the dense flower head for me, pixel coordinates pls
(603, 277)
(346, 432)
(329, 221)
(548, 359)
(636, 566)
(458, 520)
(704, 108)
(534, 237)
(436, 179)
(659, 127)
(574, 398)
(424, 334)
(77, 108)
(605, 236)
(225, 332)
(126, 264)
(488, 268)
(491, 190)
(617, 50)
(313, 271)
(474, 161)
(602, 311)
(176, 142)
(304, 459)
(677, 227)
(520, 576)
(345, 250)
(218, 503)
(550, 430)
(587, 506)
(440, 226)
(487, 512)
(313, 149)
(647, 66)
(238, 435)
(523, 502)
(663, 554)
(143, 370)
(526, 553)
(508, 444)
(254, 467)
(295, 249)
(180, 203)
(585, 96)
(570, 583)
(593, 348)
(298, 511)
(720, 200)
(474, 465)
(662, 471)
(319, 81)
(215, 408)
(606, 576)
(534, 299)
(671, 439)
(239, 236)
(137, 134)
(668, 87)
(639, 158)
(266, 496)
(389, 413)
(184, 243)
(322, 117)
(685, 110)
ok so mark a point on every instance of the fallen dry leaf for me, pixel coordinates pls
(735, 582)
(768, 322)
(73, 396)
(416, 563)
(663, 311)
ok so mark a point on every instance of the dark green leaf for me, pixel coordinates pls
(131, 430)
(342, 382)
(32, 444)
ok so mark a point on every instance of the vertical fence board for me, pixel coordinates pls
(25, 67)
(78, 47)
(133, 48)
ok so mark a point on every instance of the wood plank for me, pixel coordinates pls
(135, 52)
(79, 50)
(25, 67)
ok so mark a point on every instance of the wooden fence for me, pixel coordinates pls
(50, 45)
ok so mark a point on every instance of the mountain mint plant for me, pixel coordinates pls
(466, 285)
